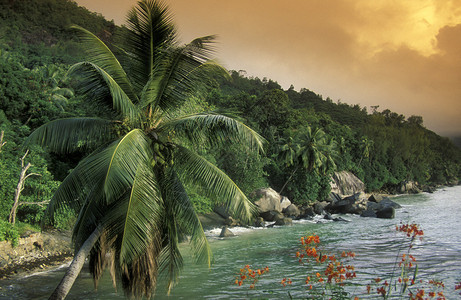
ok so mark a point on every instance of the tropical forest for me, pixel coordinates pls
(123, 136)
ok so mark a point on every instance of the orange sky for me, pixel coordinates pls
(404, 55)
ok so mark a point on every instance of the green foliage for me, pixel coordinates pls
(8, 232)
(64, 218)
(202, 204)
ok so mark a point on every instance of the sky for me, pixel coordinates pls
(403, 55)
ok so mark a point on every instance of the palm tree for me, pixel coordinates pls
(366, 146)
(313, 152)
(130, 191)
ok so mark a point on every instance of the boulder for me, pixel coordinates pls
(384, 209)
(386, 202)
(285, 203)
(229, 221)
(225, 232)
(340, 219)
(319, 207)
(373, 206)
(354, 204)
(222, 211)
(369, 213)
(271, 216)
(283, 221)
(328, 216)
(386, 213)
(292, 211)
(376, 198)
(306, 212)
(211, 220)
(345, 184)
(409, 187)
(259, 222)
(333, 197)
(268, 200)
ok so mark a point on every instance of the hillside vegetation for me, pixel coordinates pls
(308, 137)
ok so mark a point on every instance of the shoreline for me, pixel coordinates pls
(57, 252)
(35, 252)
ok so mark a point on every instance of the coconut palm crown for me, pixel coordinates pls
(132, 186)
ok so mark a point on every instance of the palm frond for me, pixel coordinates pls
(128, 153)
(142, 215)
(102, 56)
(187, 219)
(213, 130)
(69, 135)
(83, 184)
(179, 72)
(151, 30)
(171, 261)
(99, 86)
(197, 170)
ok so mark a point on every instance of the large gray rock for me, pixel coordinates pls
(354, 204)
(259, 222)
(384, 209)
(222, 211)
(283, 221)
(319, 207)
(271, 216)
(376, 198)
(285, 202)
(369, 213)
(225, 232)
(345, 183)
(306, 212)
(292, 211)
(386, 202)
(333, 197)
(409, 187)
(268, 200)
(386, 213)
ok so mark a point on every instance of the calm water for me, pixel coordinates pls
(374, 241)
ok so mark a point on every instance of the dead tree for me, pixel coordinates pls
(20, 187)
(2, 143)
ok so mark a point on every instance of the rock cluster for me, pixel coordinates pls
(270, 207)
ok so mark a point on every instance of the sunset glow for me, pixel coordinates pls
(400, 55)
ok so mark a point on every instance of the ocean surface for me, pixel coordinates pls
(374, 241)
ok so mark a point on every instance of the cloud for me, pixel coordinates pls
(399, 54)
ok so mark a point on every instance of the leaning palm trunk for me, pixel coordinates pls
(75, 267)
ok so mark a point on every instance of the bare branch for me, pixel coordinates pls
(41, 203)
(32, 174)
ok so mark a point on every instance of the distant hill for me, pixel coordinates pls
(39, 29)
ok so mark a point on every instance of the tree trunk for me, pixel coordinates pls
(19, 188)
(2, 143)
(286, 182)
(75, 267)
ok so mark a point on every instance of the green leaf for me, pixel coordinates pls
(69, 135)
(197, 170)
(98, 84)
(213, 130)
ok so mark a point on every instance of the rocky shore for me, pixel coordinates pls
(35, 251)
(347, 197)
(46, 250)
